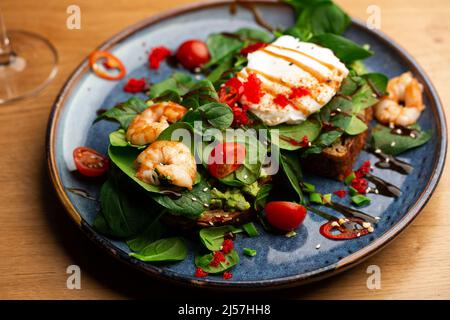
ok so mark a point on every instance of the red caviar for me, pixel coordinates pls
(240, 116)
(281, 100)
(299, 92)
(199, 273)
(252, 88)
(340, 193)
(227, 275)
(227, 246)
(253, 47)
(231, 92)
(363, 170)
(360, 185)
(135, 85)
(157, 55)
(218, 257)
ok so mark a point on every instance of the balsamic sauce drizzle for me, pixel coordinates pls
(82, 193)
(351, 213)
(383, 187)
(390, 162)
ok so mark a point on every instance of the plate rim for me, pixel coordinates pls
(290, 281)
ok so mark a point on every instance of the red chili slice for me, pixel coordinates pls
(89, 162)
(109, 60)
(343, 233)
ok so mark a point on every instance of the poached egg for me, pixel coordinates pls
(287, 65)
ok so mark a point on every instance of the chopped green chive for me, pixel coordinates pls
(327, 198)
(249, 252)
(361, 200)
(350, 178)
(250, 229)
(316, 198)
(353, 191)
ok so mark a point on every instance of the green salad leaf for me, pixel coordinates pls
(124, 112)
(221, 46)
(200, 93)
(169, 249)
(255, 35)
(262, 196)
(213, 238)
(290, 164)
(204, 262)
(309, 128)
(345, 49)
(176, 86)
(153, 232)
(218, 115)
(391, 143)
(190, 203)
(122, 213)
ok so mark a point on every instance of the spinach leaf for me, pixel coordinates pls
(326, 139)
(178, 84)
(204, 262)
(261, 196)
(169, 249)
(190, 204)
(218, 115)
(124, 112)
(200, 93)
(290, 164)
(309, 128)
(118, 139)
(250, 34)
(377, 82)
(223, 67)
(101, 225)
(153, 232)
(213, 238)
(345, 49)
(221, 46)
(321, 17)
(123, 213)
(355, 126)
(394, 144)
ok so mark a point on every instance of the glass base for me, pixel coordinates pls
(32, 66)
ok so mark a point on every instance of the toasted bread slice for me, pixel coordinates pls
(337, 160)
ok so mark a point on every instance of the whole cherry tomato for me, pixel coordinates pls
(226, 158)
(284, 215)
(89, 162)
(193, 54)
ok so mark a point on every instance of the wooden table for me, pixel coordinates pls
(38, 241)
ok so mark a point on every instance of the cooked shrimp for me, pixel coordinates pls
(167, 160)
(147, 126)
(402, 89)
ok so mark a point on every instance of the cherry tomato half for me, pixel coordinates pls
(231, 92)
(89, 162)
(193, 54)
(226, 158)
(284, 215)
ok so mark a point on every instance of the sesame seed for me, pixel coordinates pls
(309, 144)
(338, 110)
(335, 224)
(393, 144)
(412, 135)
(246, 176)
(211, 223)
(318, 246)
(205, 189)
(370, 229)
(366, 225)
(376, 191)
(391, 125)
(358, 234)
(398, 131)
(377, 218)
(377, 150)
(374, 95)
(333, 114)
(194, 199)
(206, 205)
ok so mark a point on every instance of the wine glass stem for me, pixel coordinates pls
(5, 47)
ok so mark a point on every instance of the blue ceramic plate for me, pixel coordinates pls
(280, 262)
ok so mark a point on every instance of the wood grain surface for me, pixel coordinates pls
(38, 241)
